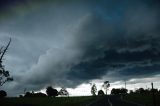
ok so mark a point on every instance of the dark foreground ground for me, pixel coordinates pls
(127, 100)
(47, 101)
(112, 101)
(145, 99)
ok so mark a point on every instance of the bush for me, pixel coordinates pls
(39, 94)
(100, 93)
(119, 91)
(3, 93)
(51, 92)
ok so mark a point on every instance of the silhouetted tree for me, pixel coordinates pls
(131, 92)
(154, 90)
(20, 96)
(119, 91)
(123, 91)
(115, 91)
(3, 94)
(28, 94)
(51, 92)
(106, 85)
(4, 75)
(93, 89)
(140, 90)
(145, 91)
(39, 94)
(63, 92)
(100, 93)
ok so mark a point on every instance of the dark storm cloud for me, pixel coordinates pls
(7, 3)
(132, 47)
(66, 45)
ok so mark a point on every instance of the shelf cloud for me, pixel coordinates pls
(70, 43)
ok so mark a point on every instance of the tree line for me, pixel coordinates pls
(119, 91)
(50, 92)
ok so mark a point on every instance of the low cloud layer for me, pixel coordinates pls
(66, 44)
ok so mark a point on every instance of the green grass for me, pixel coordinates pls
(47, 101)
(146, 99)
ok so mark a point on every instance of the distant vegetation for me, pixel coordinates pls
(119, 91)
(39, 94)
(50, 92)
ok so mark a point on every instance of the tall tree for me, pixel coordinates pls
(4, 75)
(106, 85)
(63, 92)
(93, 89)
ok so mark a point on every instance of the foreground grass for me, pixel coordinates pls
(146, 99)
(47, 101)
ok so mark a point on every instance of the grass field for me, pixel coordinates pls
(47, 101)
(143, 99)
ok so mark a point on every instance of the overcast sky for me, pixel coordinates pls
(66, 43)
